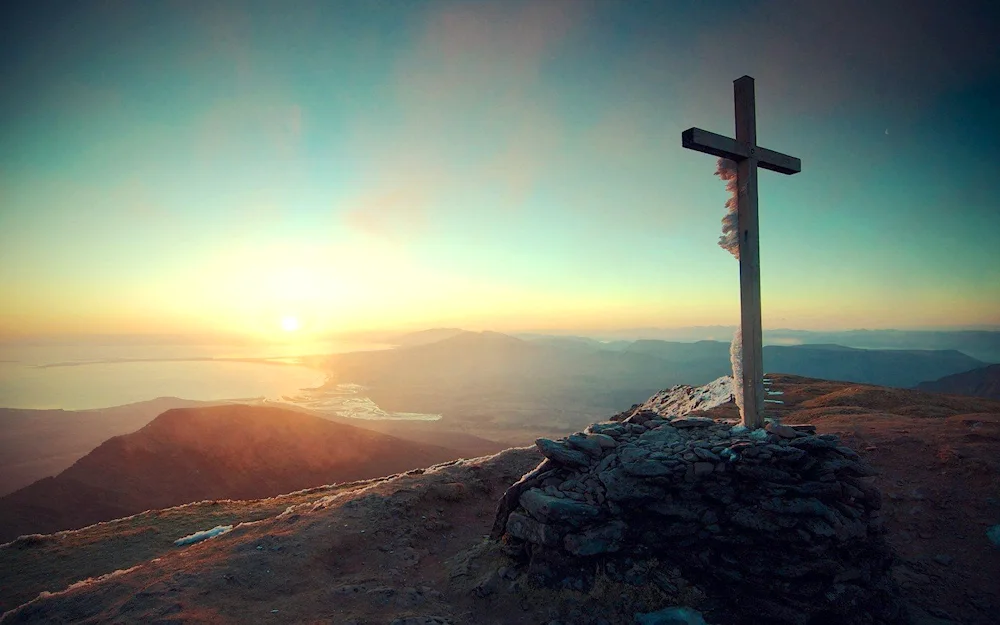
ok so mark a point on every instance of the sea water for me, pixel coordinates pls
(74, 377)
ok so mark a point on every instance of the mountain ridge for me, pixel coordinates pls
(219, 452)
(979, 382)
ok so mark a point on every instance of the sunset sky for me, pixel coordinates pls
(234, 167)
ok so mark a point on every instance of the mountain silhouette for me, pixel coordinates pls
(218, 452)
(981, 382)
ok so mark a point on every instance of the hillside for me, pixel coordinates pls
(411, 546)
(884, 367)
(981, 382)
(220, 452)
(39, 443)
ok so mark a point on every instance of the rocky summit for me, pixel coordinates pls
(781, 525)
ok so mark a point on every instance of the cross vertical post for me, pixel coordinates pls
(748, 156)
(746, 202)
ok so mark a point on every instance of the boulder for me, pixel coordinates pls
(560, 453)
(548, 509)
(601, 539)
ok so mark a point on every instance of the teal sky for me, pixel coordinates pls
(212, 166)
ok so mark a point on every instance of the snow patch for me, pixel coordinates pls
(218, 530)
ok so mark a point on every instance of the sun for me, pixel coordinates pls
(289, 324)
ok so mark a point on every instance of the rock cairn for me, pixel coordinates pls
(780, 523)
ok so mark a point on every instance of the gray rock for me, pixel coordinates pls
(671, 616)
(604, 440)
(620, 486)
(813, 443)
(641, 416)
(680, 511)
(585, 444)
(647, 468)
(843, 466)
(560, 453)
(548, 509)
(630, 453)
(783, 431)
(993, 533)
(526, 528)
(769, 474)
(757, 520)
(603, 539)
(608, 429)
(706, 454)
(847, 452)
(692, 422)
(606, 462)
(819, 527)
(809, 506)
(702, 469)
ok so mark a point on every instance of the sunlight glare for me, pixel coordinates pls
(289, 324)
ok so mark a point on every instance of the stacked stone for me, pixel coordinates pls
(781, 522)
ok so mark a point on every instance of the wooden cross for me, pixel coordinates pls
(748, 156)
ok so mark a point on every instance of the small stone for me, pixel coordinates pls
(560, 453)
(782, 430)
(647, 468)
(692, 422)
(706, 454)
(604, 440)
(702, 469)
(671, 616)
(993, 533)
(606, 463)
(641, 416)
(585, 444)
(524, 527)
(943, 559)
(508, 573)
(604, 539)
(813, 443)
(550, 509)
(622, 487)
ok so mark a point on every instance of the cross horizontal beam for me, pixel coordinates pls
(724, 147)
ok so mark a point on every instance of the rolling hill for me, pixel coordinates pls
(218, 452)
(40, 443)
(981, 382)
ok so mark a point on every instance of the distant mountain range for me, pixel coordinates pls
(495, 380)
(218, 452)
(981, 382)
(983, 345)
